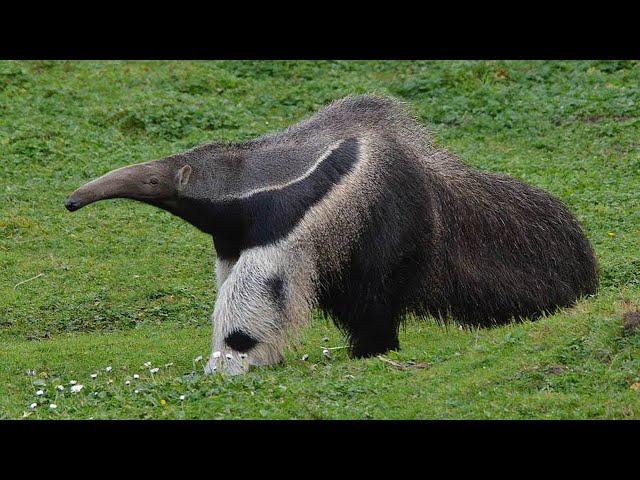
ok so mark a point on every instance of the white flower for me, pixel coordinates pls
(147, 364)
(40, 392)
(154, 370)
(326, 353)
(167, 365)
(305, 357)
(60, 388)
(198, 358)
(76, 388)
(127, 382)
(72, 382)
(31, 373)
(53, 406)
(136, 376)
(108, 369)
(136, 391)
(216, 354)
(33, 406)
(94, 375)
(229, 356)
(182, 397)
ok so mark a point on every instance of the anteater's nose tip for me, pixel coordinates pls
(71, 205)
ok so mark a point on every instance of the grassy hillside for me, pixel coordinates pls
(120, 283)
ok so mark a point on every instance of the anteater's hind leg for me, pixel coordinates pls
(373, 332)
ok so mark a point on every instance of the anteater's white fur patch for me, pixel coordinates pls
(245, 302)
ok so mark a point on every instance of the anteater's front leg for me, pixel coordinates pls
(224, 266)
(259, 305)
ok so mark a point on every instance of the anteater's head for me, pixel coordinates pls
(158, 183)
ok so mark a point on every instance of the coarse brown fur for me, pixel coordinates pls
(386, 223)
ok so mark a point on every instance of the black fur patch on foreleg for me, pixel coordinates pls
(277, 291)
(240, 341)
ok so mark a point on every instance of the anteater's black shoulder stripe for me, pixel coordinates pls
(268, 216)
(273, 214)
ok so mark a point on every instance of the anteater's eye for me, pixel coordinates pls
(153, 181)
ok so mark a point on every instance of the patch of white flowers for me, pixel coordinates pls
(154, 370)
(108, 369)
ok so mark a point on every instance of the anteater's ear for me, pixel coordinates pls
(183, 176)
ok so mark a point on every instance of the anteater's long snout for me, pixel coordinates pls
(100, 189)
(71, 204)
(144, 181)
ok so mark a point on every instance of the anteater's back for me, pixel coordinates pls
(505, 249)
(436, 236)
(415, 229)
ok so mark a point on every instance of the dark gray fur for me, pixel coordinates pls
(388, 223)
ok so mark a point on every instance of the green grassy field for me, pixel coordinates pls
(119, 283)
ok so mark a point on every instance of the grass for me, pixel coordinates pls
(121, 283)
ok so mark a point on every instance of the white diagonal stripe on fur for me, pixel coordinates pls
(281, 186)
